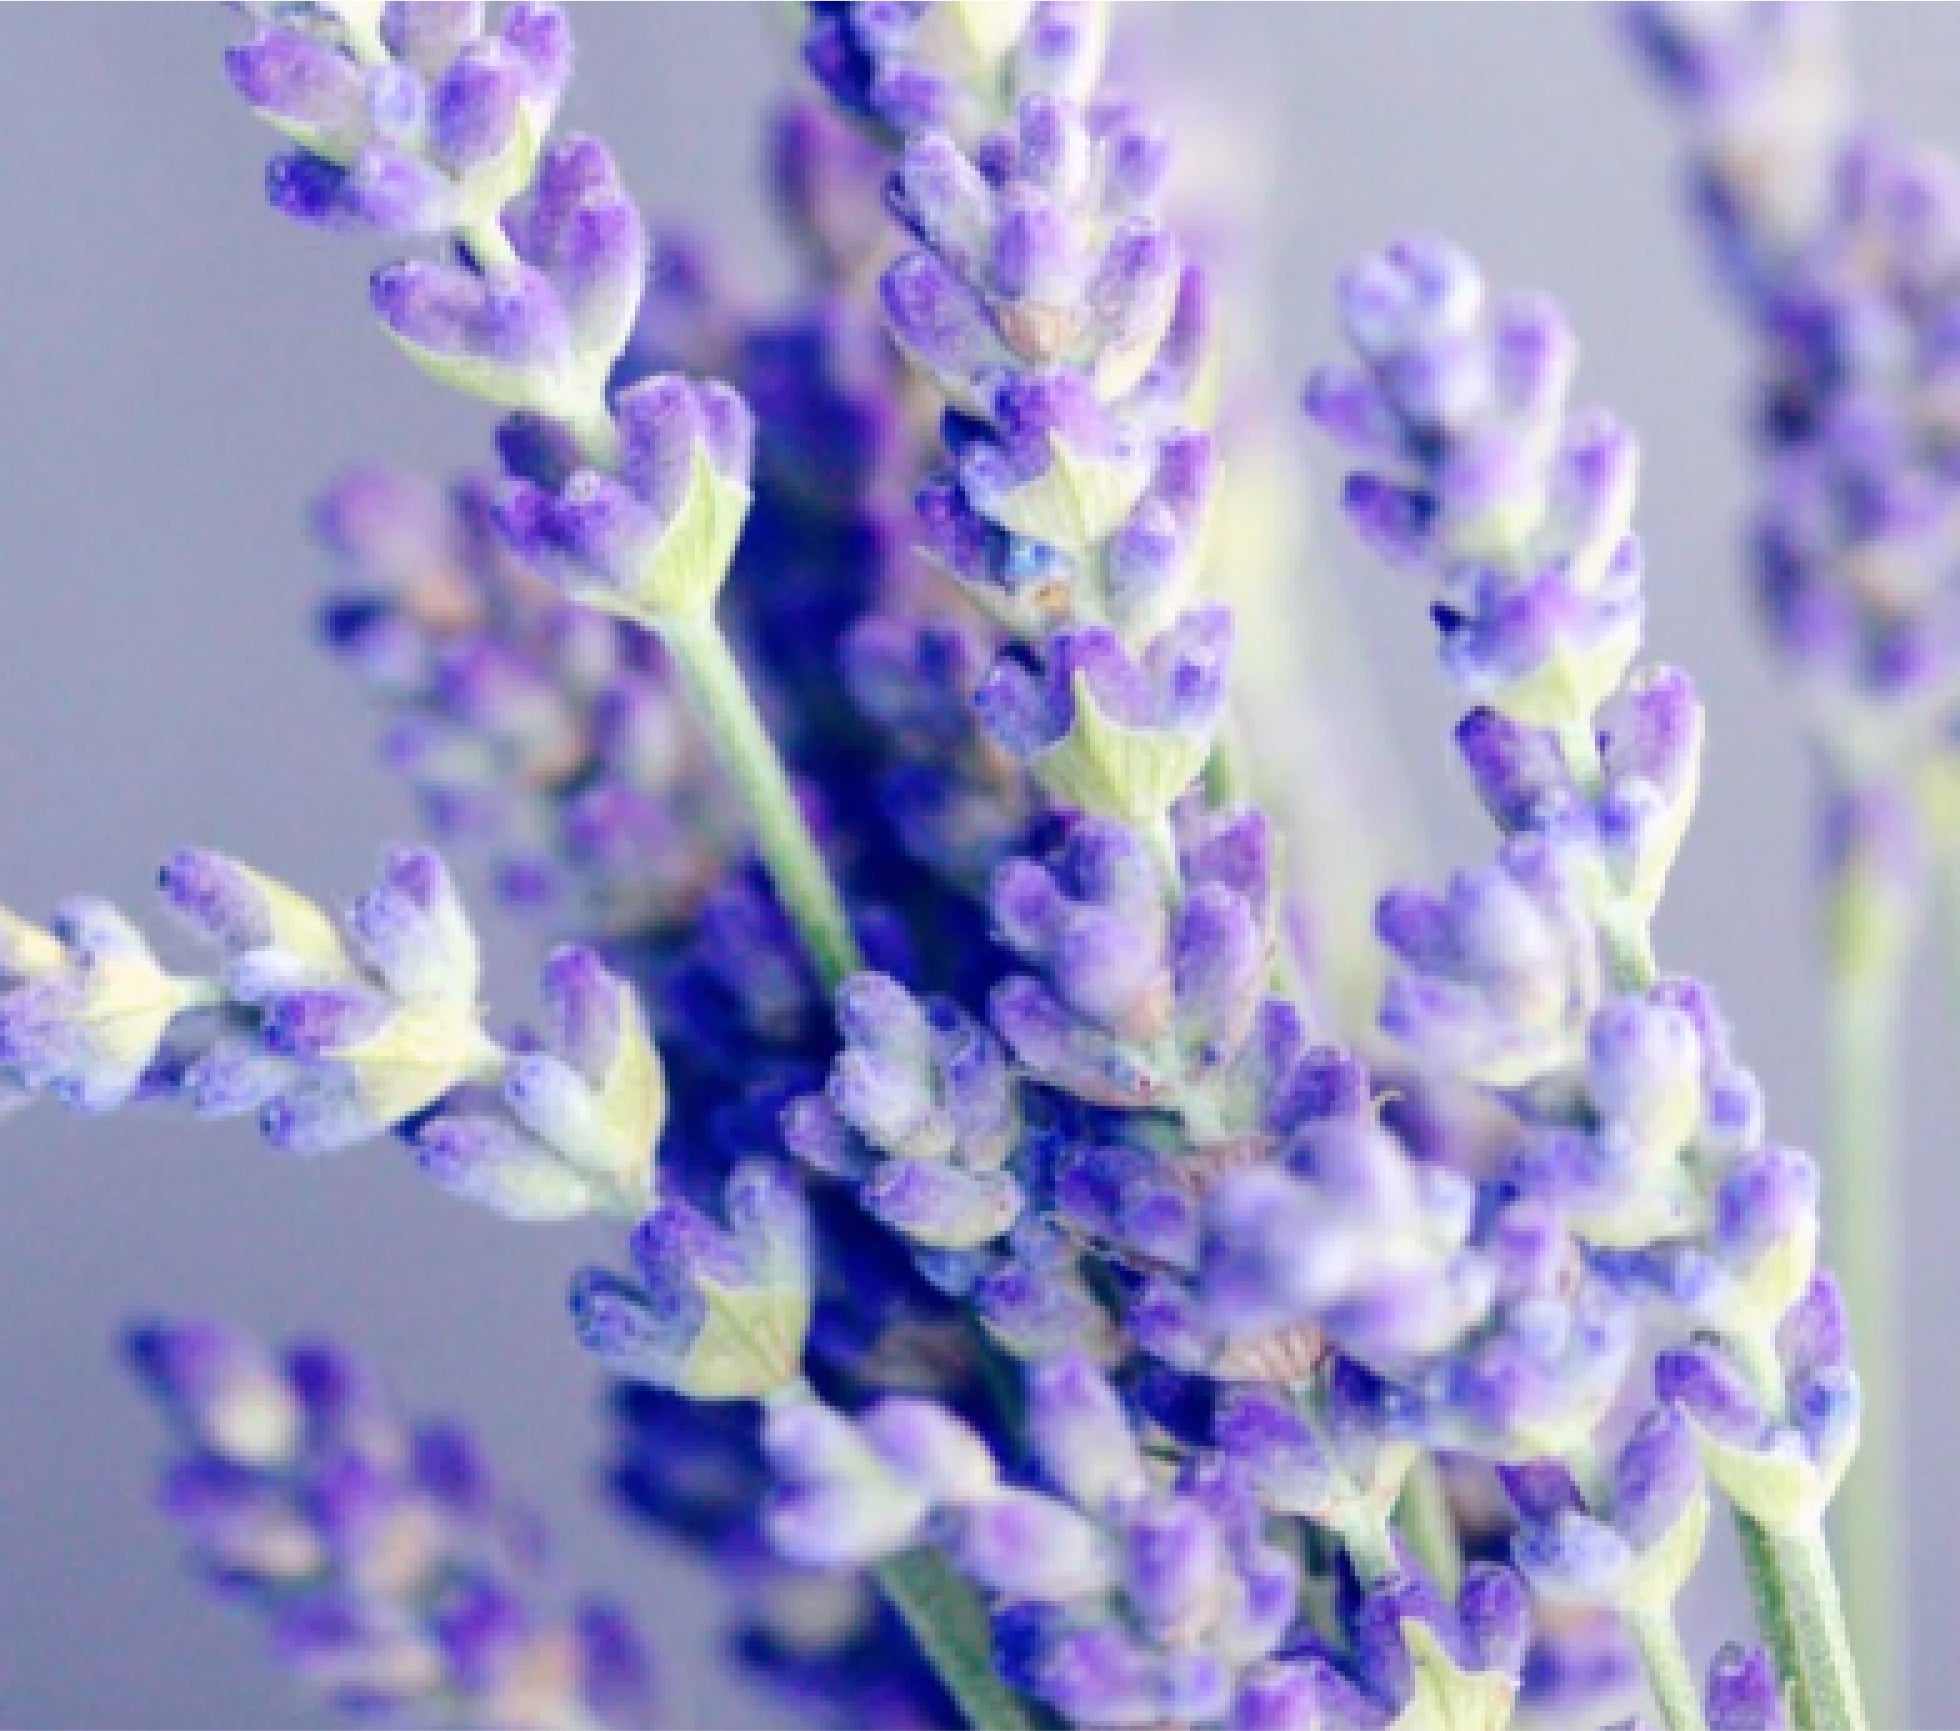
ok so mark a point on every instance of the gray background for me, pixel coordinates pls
(179, 371)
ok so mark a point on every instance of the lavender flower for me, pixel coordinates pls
(1638, 1151)
(1120, 1601)
(1832, 236)
(395, 1576)
(817, 1638)
(723, 1312)
(333, 1036)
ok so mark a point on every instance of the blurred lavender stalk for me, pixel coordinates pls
(397, 1580)
(1839, 241)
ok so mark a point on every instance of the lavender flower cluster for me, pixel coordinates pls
(1837, 240)
(396, 1577)
(1002, 1237)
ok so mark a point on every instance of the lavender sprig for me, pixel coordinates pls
(1637, 1134)
(396, 1577)
(331, 1036)
(1073, 514)
(1047, 302)
(422, 124)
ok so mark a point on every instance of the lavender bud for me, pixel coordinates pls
(724, 1310)
(1081, 1434)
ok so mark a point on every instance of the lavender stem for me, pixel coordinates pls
(1861, 1190)
(1669, 1675)
(721, 699)
(944, 1617)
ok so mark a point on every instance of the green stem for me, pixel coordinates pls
(490, 246)
(1765, 1576)
(1861, 1221)
(789, 852)
(1423, 1513)
(1816, 1614)
(950, 1626)
(1669, 1674)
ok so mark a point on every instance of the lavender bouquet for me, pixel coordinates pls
(1030, 1294)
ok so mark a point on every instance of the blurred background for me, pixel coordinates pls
(181, 371)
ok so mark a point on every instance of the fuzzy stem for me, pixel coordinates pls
(597, 434)
(789, 851)
(1669, 1674)
(950, 1626)
(1816, 1614)
(1764, 1575)
(1861, 1221)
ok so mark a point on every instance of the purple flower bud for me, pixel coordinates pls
(941, 1205)
(395, 191)
(1395, 523)
(1033, 259)
(1814, 1338)
(724, 1311)
(432, 33)
(1713, 1391)
(1495, 1613)
(315, 1024)
(1535, 356)
(473, 110)
(1221, 959)
(305, 86)
(541, 37)
(582, 230)
(1173, 1567)
(1350, 408)
(1744, 1693)
(1655, 1477)
(1264, 1432)
(413, 931)
(1767, 1201)
(488, 1161)
(1081, 1434)
(511, 332)
(941, 1455)
(1026, 1546)
(942, 326)
(942, 198)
